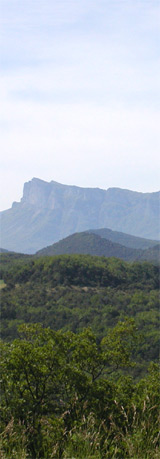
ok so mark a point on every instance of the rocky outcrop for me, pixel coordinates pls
(51, 211)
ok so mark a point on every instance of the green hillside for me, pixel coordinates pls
(124, 239)
(79, 353)
(95, 244)
(92, 244)
(71, 292)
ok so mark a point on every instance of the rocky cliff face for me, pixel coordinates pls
(51, 211)
(39, 194)
(50, 195)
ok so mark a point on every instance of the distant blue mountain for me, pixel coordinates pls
(51, 211)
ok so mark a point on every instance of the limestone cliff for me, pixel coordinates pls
(51, 211)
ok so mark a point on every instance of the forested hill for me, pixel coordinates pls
(93, 244)
(82, 270)
(81, 377)
(124, 239)
(70, 292)
(51, 211)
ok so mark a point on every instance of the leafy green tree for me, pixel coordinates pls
(54, 374)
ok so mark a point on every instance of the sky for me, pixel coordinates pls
(79, 94)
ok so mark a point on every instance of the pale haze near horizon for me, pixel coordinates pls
(79, 89)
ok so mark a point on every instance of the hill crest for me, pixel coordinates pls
(90, 243)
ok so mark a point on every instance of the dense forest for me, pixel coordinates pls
(79, 353)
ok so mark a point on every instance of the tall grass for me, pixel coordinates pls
(88, 439)
(13, 442)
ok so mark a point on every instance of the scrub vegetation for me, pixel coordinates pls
(79, 358)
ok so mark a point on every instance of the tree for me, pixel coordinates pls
(52, 382)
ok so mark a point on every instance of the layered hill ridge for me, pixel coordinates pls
(51, 211)
(89, 243)
(124, 239)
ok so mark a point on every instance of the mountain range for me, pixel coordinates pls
(93, 244)
(51, 211)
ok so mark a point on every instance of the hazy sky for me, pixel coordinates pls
(79, 90)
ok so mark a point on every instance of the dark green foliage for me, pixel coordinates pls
(73, 292)
(58, 396)
(83, 270)
(76, 384)
(10, 259)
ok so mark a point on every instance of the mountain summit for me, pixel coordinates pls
(51, 211)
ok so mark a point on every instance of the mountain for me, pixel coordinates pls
(93, 244)
(51, 211)
(127, 240)
(151, 254)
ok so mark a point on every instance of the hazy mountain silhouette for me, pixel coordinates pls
(51, 211)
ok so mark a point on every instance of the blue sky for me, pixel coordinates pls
(79, 90)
